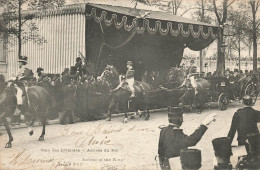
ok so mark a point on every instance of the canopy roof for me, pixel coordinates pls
(155, 38)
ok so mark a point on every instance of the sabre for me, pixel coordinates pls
(82, 56)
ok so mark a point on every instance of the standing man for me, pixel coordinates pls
(244, 122)
(172, 139)
(130, 77)
(78, 65)
(40, 74)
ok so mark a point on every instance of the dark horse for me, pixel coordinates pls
(121, 95)
(39, 101)
(177, 76)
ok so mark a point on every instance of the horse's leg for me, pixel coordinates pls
(9, 143)
(43, 129)
(110, 107)
(126, 116)
(147, 114)
(30, 129)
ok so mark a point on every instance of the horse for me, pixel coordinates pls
(177, 77)
(122, 94)
(38, 106)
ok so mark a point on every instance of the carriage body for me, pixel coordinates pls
(247, 85)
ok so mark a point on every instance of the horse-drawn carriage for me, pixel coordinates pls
(218, 91)
(246, 85)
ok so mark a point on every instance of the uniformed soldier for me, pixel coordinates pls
(130, 77)
(172, 139)
(222, 148)
(190, 159)
(244, 122)
(191, 70)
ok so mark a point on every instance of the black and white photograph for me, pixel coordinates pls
(129, 84)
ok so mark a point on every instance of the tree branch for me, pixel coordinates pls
(231, 3)
(216, 11)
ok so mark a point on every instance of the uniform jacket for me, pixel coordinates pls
(173, 140)
(130, 73)
(244, 122)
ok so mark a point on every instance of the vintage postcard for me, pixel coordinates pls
(129, 85)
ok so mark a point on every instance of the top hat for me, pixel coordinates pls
(175, 111)
(39, 70)
(254, 143)
(222, 147)
(78, 59)
(129, 63)
(23, 59)
(190, 159)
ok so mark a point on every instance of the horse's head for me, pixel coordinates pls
(110, 75)
(176, 75)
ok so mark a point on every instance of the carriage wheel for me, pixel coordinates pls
(236, 91)
(223, 101)
(252, 91)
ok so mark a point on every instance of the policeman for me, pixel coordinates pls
(130, 77)
(222, 148)
(190, 159)
(172, 139)
(244, 121)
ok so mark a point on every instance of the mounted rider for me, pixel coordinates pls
(21, 84)
(191, 70)
(130, 77)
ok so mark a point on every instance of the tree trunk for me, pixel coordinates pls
(19, 29)
(202, 20)
(239, 52)
(254, 41)
(221, 57)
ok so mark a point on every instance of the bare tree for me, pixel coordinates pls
(255, 25)
(221, 19)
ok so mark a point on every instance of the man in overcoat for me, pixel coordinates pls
(244, 121)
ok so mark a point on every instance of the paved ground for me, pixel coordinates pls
(107, 145)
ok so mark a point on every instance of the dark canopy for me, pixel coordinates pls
(115, 35)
